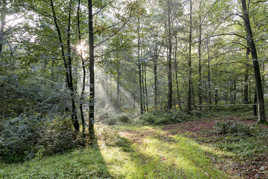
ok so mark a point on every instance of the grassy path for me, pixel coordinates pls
(125, 152)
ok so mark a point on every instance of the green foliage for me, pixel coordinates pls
(159, 118)
(233, 128)
(58, 136)
(19, 137)
(241, 139)
(115, 119)
(25, 137)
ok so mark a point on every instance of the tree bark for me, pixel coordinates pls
(253, 50)
(155, 77)
(74, 112)
(140, 70)
(209, 76)
(176, 74)
(84, 71)
(246, 88)
(169, 105)
(189, 104)
(118, 82)
(91, 71)
(200, 97)
(145, 87)
(66, 65)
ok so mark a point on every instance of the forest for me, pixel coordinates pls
(152, 89)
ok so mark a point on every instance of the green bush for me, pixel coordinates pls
(160, 118)
(25, 137)
(58, 136)
(123, 118)
(19, 137)
(115, 119)
(234, 128)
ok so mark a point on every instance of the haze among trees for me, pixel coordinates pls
(133, 89)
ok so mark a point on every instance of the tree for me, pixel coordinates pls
(67, 64)
(91, 71)
(169, 57)
(253, 50)
(190, 83)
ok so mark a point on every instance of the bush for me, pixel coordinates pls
(115, 119)
(25, 136)
(58, 136)
(19, 137)
(234, 128)
(111, 121)
(158, 117)
(123, 118)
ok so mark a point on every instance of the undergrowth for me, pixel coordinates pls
(243, 140)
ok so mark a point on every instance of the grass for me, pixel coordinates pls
(139, 154)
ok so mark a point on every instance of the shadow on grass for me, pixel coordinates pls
(180, 156)
(81, 163)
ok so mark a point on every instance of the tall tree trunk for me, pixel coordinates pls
(246, 88)
(71, 86)
(84, 71)
(189, 104)
(216, 96)
(3, 7)
(255, 111)
(253, 50)
(66, 65)
(209, 76)
(118, 83)
(139, 68)
(176, 74)
(234, 91)
(200, 100)
(155, 77)
(145, 87)
(91, 71)
(169, 106)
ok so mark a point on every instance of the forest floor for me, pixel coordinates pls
(184, 150)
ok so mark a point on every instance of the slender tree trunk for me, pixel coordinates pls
(3, 5)
(253, 50)
(263, 75)
(84, 71)
(209, 76)
(255, 111)
(169, 106)
(91, 71)
(200, 97)
(234, 91)
(189, 105)
(118, 82)
(246, 88)
(66, 65)
(216, 96)
(145, 86)
(140, 70)
(176, 74)
(74, 112)
(155, 78)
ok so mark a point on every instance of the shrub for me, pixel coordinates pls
(25, 137)
(123, 118)
(234, 128)
(58, 136)
(159, 118)
(19, 137)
